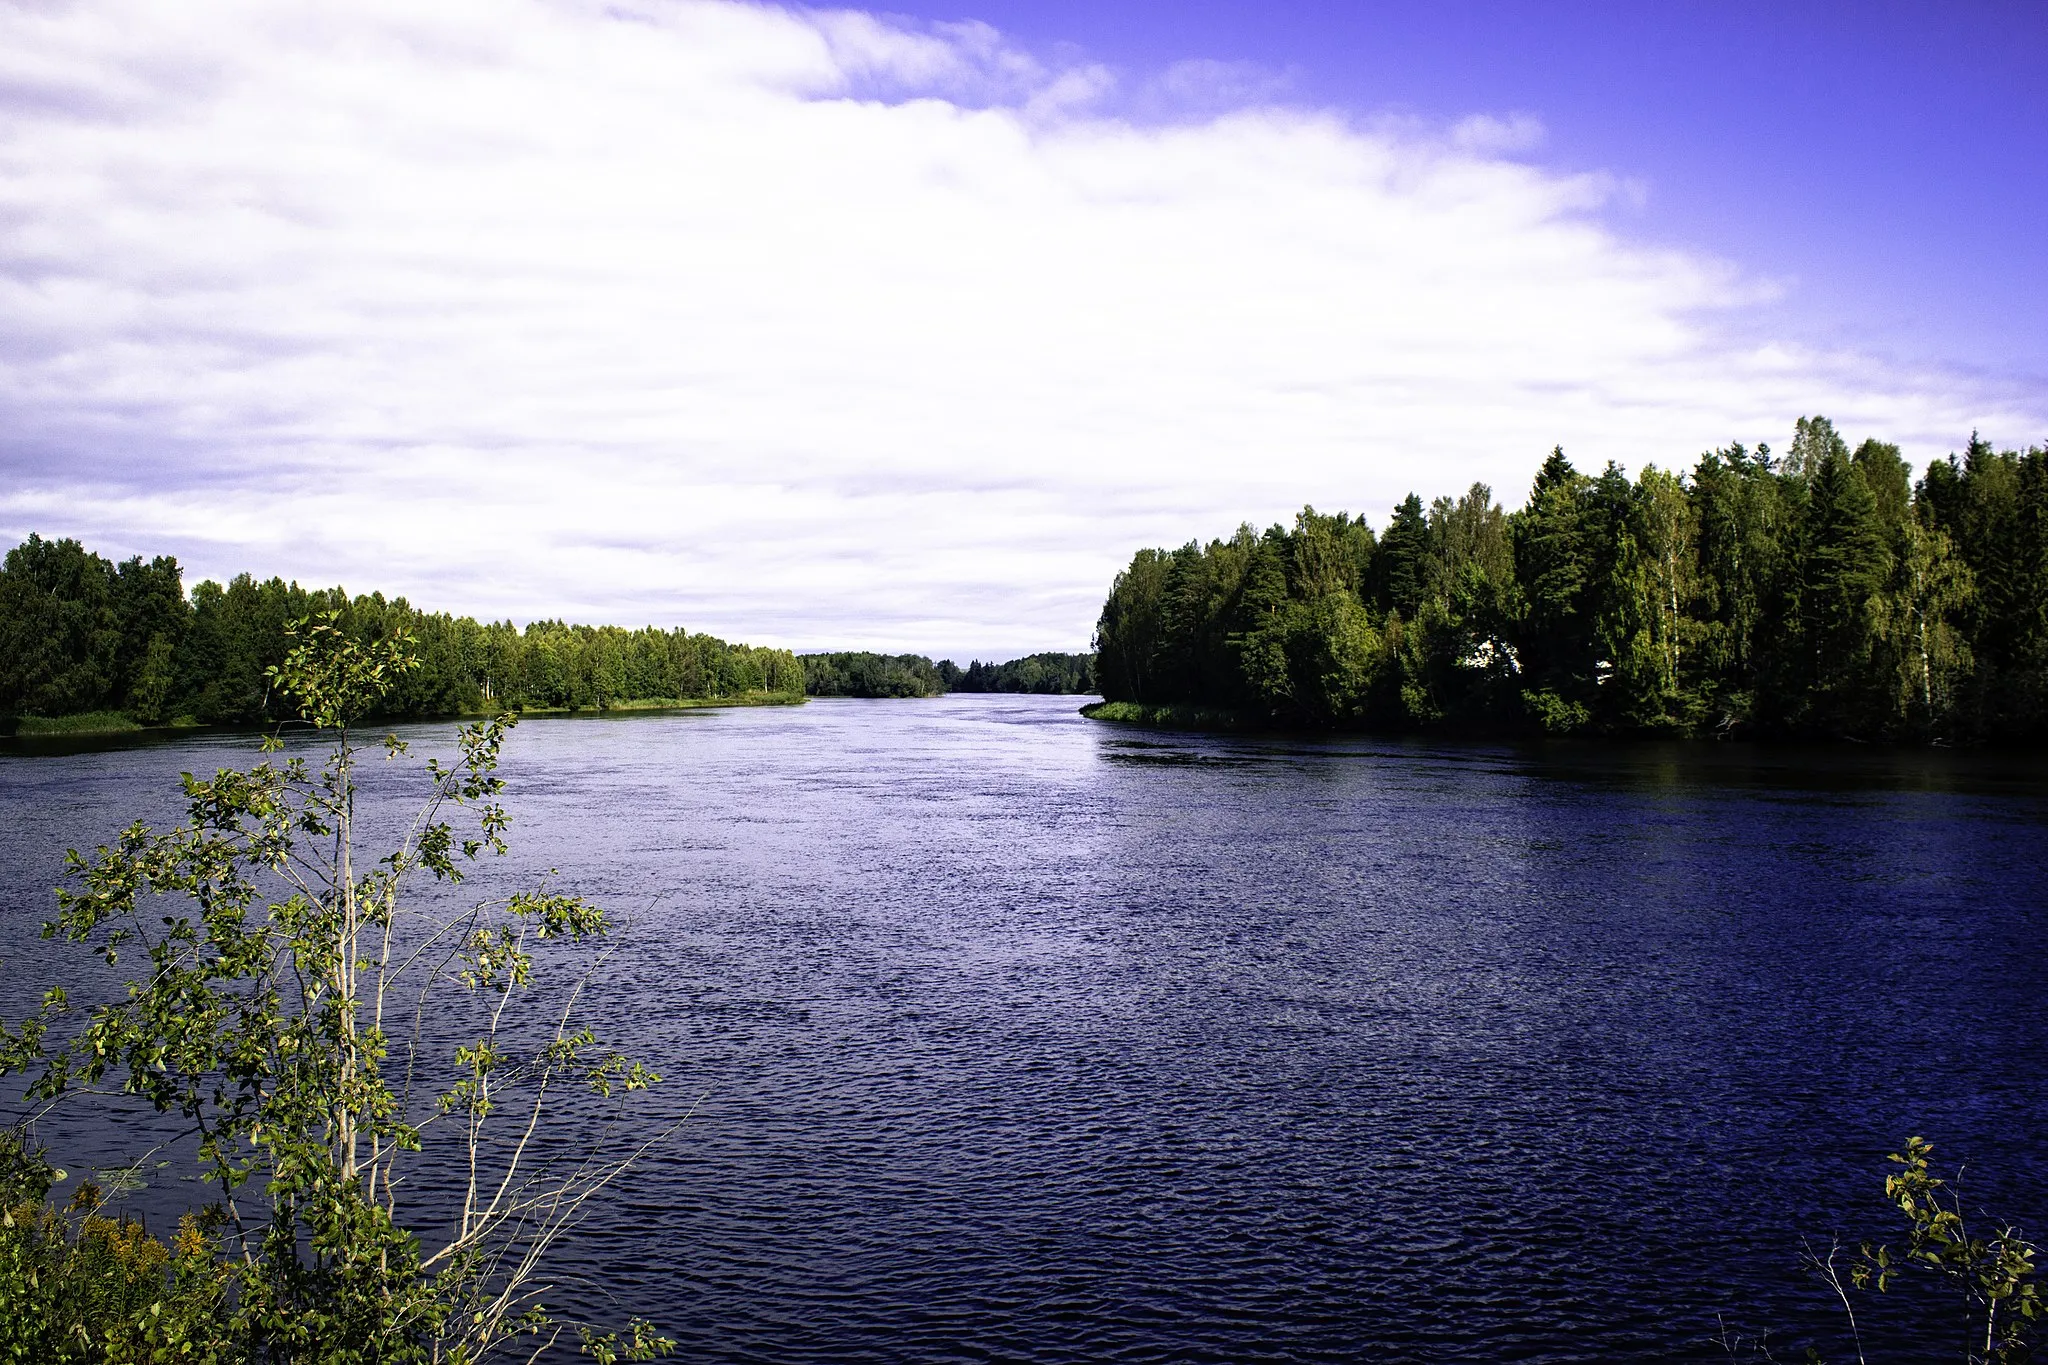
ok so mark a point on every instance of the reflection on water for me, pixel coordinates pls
(1023, 1037)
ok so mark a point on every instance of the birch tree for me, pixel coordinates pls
(323, 1022)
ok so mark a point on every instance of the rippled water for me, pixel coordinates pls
(1020, 1037)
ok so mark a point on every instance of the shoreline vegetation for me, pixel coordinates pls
(269, 1017)
(856, 673)
(93, 648)
(1174, 716)
(1825, 596)
(98, 723)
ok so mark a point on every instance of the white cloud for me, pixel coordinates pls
(1489, 133)
(800, 326)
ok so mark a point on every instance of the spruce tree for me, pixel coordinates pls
(1553, 566)
(1400, 570)
(1848, 564)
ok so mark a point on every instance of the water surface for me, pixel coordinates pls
(1019, 1037)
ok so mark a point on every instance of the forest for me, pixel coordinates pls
(80, 635)
(857, 674)
(1823, 595)
(1049, 674)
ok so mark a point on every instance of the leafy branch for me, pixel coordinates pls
(278, 957)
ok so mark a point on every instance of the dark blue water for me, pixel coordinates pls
(1019, 1037)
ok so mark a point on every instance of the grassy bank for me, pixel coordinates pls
(84, 723)
(1171, 717)
(671, 704)
(88, 723)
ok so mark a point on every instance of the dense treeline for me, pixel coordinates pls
(80, 634)
(1825, 594)
(1045, 674)
(856, 674)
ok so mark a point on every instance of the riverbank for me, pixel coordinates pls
(1173, 716)
(97, 723)
(671, 704)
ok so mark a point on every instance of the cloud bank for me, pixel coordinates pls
(801, 327)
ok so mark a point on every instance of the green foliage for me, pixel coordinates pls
(1166, 717)
(641, 1342)
(81, 635)
(1300, 626)
(77, 1288)
(1554, 567)
(852, 673)
(1823, 596)
(1980, 1301)
(1847, 564)
(1993, 507)
(77, 723)
(1399, 574)
(1130, 636)
(60, 636)
(281, 1017)
(858, 674)
(1991, 1277)
(1049, 674)
(1553, 715)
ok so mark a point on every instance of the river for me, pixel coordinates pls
(1015, 1036)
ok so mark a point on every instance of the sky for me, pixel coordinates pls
(848, 329)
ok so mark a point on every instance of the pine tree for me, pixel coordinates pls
(1553, 567)
(1400, 566)
(1847, 566)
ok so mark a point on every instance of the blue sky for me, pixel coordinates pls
(1888, 161)
(844, 328)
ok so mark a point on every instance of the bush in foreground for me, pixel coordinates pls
(282, 1018)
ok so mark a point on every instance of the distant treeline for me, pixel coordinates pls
(859, 674)
(855, 674)
(1825, 594)
(80, 634)
(1045, 674)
